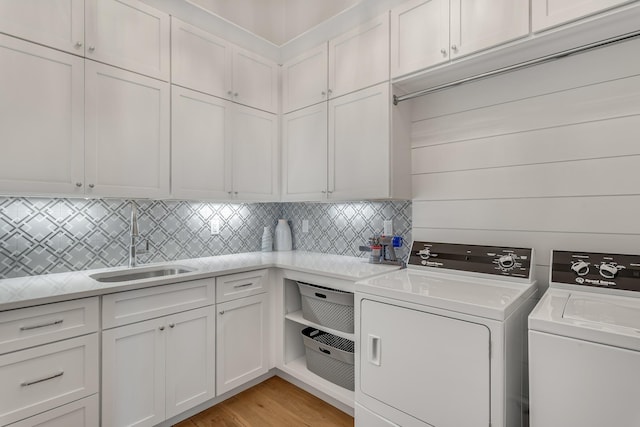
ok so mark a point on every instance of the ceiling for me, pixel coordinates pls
(278, 21)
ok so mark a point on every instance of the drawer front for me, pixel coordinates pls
(28, 327)
(143, 304)
(240, 285)
(42, 378)
(82, 413)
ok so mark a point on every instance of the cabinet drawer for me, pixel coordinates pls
(82, 413)
(143, 304)
(45, 377)
(241, 285)
(28, 327)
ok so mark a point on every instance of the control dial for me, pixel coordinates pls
(581, 268)
(507, 262)
(608, 271)
(424, 253)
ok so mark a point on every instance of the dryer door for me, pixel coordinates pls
(431, 367)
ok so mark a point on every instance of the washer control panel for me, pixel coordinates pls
(613, 271)
(503, 261)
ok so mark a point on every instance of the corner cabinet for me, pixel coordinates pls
(304, 79)
(425, 33)
(127, 142)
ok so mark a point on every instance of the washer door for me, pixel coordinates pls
(431, 367)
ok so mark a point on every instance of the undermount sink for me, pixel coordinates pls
(140, 273)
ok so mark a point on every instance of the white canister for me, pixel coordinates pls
(267, 240)
(283, 236)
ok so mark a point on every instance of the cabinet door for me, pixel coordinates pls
(42, 119)
(133, 374)
(550, 13)
(200, 148)
(419, 35)
(448, 367)
(127, 133)
(242, 341)
(255, 154)
(255, 81)
(55, 23)
(480, 24)
(304, 79)
(190, 370)
(304, 153)
(359, 58)
(200, 60)
(359, 165)
(128, 34)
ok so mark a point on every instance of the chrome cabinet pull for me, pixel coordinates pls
(78, 45)
(92, 48)
(161, 328)
(91, 185)
(222, 312)
(454, 47)
(43, 325)
(172, 325)
(78, 184)
(50, 377)
(244, 285)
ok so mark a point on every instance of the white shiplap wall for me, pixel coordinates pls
(546, 157)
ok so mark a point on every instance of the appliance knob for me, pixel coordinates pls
(608, 271)
(581, 268)
(506, 261)
(424, 254)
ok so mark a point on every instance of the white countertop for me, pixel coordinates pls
(33, 290)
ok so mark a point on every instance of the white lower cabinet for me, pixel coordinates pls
(81, 413)
(242, 341)
(158, 368)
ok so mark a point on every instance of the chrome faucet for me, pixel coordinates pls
(133, 234)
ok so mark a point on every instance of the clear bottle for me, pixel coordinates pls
(283, 236)
(267, 240)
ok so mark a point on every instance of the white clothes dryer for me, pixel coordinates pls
(443, 342)
(584, 343)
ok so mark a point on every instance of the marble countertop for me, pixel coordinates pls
(33, 290)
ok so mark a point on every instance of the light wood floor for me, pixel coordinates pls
(273, 403)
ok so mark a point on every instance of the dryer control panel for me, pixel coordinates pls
(503, 261)
(602, 270)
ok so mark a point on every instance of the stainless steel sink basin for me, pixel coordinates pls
(140, 273)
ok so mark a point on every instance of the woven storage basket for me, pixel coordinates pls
(330, 357)
(327, 307)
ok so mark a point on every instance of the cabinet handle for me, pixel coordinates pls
(329, 91)
(323, 93)
(50, 377)
(78, 184)
(28, 328)
(172, 325)
(161, 328)
(92, 48)
(244, 285)
(374, 350)
(324, 192)
(235, 192)
(230, 92)
(78, 45)
(91, 185)
(235, 94)
(454, 48)
(443, 52)
(222, 312)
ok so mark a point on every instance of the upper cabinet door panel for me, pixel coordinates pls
(200, 148)
(304, 79)
(200, 60)
(359, 58)
(480, 24)
(54, 23)
(255, 81)
(419, 35)
(550, 13)
(128, 34)
(127, 133)
(41, 119)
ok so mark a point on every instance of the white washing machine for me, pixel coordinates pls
(584, 343)
(443, 342)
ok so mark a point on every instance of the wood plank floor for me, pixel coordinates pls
(272, 403)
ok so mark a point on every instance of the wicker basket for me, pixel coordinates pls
(330, 357)
(327, 307)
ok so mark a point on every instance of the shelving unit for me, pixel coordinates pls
(294, 358)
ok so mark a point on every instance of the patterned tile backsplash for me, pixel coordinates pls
(42, 235)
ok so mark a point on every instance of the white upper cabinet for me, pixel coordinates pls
(360, 57)
(42, 119)
(425, 33)
(200, 145)
(128, 34)
(127, 133)
(304, 153)
(206, 63)
(55, 23)
(200, 60)
(419, 35)
(304, 79)
(255, 165)
(550, 13)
